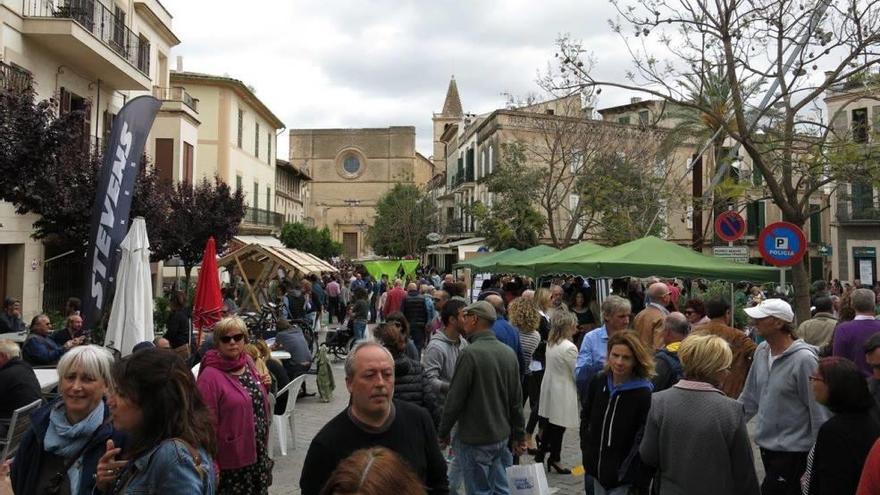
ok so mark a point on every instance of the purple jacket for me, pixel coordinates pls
(231, 404)
(849, 341)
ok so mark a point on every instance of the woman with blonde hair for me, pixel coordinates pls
(695, 416)
(617, 403)
(236, 394)
(523, 314)
(373, 471)
(60, 450)
(558, 408)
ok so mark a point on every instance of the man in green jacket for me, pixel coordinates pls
(485, 400)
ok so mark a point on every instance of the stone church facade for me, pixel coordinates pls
(351, 169)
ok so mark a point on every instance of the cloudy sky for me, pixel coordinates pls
(375, 63)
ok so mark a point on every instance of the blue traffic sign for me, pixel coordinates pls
(730, 225)
(782, 244)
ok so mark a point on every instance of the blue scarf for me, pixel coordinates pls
(66, 440)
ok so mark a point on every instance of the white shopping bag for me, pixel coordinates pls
(527, 479)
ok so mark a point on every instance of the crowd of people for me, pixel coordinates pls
(651, 390)
(446, 394)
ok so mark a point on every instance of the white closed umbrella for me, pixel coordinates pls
(131, 318)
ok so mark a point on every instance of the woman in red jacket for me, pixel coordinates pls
(236, 393)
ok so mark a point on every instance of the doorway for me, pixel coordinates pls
(350, 244)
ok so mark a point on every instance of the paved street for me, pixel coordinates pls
(312, 414)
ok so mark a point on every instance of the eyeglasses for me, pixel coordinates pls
(816, 378)
(229, 338)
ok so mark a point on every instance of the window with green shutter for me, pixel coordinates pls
(815, 224)
(754, 218)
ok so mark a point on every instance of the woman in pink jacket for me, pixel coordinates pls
(236, 393)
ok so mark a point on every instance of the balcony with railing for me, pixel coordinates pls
(176, 94)
(262, 218)
(92, 37)
(858, 211)
(14, 79)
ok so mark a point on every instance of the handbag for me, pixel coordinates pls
(527, 479)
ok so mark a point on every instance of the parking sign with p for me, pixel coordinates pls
(782, 244)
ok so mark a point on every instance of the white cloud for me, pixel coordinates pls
(375, 63)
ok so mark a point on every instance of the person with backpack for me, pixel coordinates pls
(667, 365)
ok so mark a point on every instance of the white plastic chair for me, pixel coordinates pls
(280, 422)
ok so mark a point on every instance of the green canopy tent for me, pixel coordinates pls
(377, 268)
(517, 261)
(651, 256)
(409, 268)
(530, 267)
(480, 264)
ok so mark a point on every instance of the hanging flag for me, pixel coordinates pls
(122, 161)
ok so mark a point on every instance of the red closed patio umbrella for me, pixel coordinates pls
(208, 302)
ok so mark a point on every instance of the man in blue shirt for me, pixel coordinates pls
(504, 331)
(591, 358)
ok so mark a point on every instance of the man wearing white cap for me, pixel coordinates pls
(778, 391)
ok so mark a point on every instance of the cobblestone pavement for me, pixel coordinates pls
(312, 414)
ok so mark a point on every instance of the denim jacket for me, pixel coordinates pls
(169, 469)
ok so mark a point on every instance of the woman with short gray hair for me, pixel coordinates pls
(67, 437)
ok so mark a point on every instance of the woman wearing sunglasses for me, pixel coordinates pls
(236, 393)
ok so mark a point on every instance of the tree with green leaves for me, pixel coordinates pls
(318, 242)
(777, 59)
(512, 221)
(196, 213)
(404, 218)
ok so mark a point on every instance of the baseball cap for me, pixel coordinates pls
(481, 309)
(776, 308)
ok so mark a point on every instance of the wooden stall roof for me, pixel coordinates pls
(290, 259)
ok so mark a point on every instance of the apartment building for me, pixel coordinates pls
(855, 206)
(467, 147)
(754, 206)
(236, 142)
(92, 56)
(291, 192)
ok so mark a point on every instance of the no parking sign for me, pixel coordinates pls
(782, 244)
(730, 225)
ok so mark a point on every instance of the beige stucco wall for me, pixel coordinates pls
(51, 71)
(344, 203)
(219, 153)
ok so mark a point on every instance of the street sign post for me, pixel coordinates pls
(729, 225)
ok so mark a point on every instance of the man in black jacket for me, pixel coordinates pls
(374, 419)
(18, 383)
(415, 309)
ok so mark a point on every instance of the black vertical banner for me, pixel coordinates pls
(122, 161)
